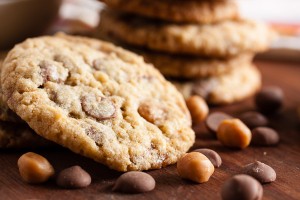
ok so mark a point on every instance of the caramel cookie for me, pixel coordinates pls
(191, 11)
(98, 100)
(224, 89)
(223, 39)
(17, 136)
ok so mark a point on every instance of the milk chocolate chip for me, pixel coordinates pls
(213, 156)
(242, 187)
(264, 136)
(152, 112)
(134, 182)
(269, 99)
(260, 171)
(73, 177)
(214, 120)
(203, 88)
(53, 73)
(98, 107)
(253, 119)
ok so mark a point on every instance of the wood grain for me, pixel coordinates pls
(285, 158)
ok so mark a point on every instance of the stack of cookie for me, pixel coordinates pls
(203, 46)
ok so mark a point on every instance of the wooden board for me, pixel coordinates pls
(285, 158)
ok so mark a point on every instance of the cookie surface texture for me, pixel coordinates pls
(5, 113)
(97, 100)
(225, 89)
(191, 11)
(16, 135)
(224, 39)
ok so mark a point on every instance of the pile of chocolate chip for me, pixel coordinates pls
(199, 165)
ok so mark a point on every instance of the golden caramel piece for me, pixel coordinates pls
(198, 108)
(34, 168)
(195, 166)
(234, 133)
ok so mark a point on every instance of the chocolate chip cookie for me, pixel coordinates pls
(184, 66)
(192, 11)
(5, 113)
(223, 39)
(16, 135)
(98, 100)
(192, 67)
(224, 89)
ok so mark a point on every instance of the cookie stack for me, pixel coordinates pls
(203, 46)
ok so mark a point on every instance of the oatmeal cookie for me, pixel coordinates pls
(185, 66)
(98, 100)
(188, 11)
(5, 113)
(192, 67)
(223, 39)
(224, 89)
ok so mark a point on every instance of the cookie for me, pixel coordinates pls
(184, 66)
(222, 39)
(5, 113)
(189, 11)
(98, 100)
(192, 67)
(224, 89)
(18, 136)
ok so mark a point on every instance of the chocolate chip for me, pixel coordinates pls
(203, 88)
(264, 136)
(65, 60)
(214, 119)
(213, 156)
(152, 112)
(134, 182)
(242, 187)
(53, 73)
(269, 99)
(253, 119)
(98, 107)
(260, 171)
(99, 64)
(73, 177)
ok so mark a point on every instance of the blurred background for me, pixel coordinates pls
(25, 18)
(284, 17)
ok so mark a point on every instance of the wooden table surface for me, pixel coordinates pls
(285, 158)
